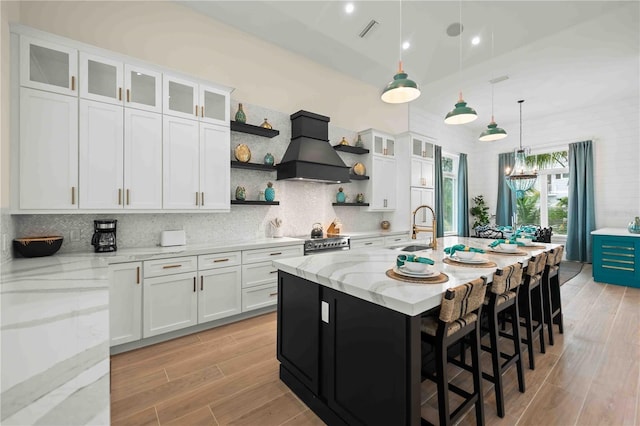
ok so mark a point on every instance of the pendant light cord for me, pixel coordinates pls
(400, 35)
(520, 102)
(492, 76)
(460, 49)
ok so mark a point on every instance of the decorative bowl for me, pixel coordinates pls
(415, 266)
(37, 246)
(465, 255)
(511, 248)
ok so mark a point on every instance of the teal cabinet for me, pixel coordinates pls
(616, 259)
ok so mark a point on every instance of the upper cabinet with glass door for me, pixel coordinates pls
(189, 99)
(48, 66)
(422, 146)
(112, 81)
(378, 143)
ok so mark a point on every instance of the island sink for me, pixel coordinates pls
(413, 247)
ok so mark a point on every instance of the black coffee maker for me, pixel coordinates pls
(104, 235)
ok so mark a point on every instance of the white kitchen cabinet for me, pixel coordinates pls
(367, 242)
(378, 143)
(196, 165)
(48, 150)
(142, 159)
(220, 293)
(110, 80)
(421, 173)
(188, 99)
(125, 302)
(259, 297)
(48, 66)
(421, 146)
(382, 184)
(101, 152)
(419, 197)
(170, 303)
(396, 239)
(173, 265)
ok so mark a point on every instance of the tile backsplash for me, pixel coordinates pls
(301, 203)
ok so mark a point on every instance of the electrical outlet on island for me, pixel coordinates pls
(74, 235)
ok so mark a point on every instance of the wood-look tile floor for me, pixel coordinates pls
(229, 375)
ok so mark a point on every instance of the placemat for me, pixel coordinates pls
(487, 264)
(515, 253)
(438, 279)
(533, 247)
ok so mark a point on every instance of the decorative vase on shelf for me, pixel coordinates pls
(634, 227)
(359, 142)
(242, 153)
(359, 169)
(268, 159)
(241, 193)
(269, 193)
(344, 141)
(385, 224)
(341, 197)
(266, 124)
(240, 115)
(360, 198)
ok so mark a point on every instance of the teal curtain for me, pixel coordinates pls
(506, 198)
(463, 197)
(438, 198)
(581, 215)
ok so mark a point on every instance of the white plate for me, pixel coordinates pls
(429, 273)
(476, 259)
(499, 250)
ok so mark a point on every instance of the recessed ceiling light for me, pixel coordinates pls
(406, 45)
(475, 41)
(349, 8)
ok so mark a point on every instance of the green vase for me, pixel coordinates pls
(268, 159)
(240, 193)
(634, 227)
(270, 192)
(341, 197)
(240, 115)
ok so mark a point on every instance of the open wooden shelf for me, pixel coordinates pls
(256, 203)
(350, 204)
(254, 130)
(358, 177)
(252, 166)
(351, 149)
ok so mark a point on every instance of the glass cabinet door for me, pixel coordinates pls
(180, 98)
(101, 79)
(142, 88)
(214, 105)
(389, 147)
(48, 66)
(416, 147)
(378, 145)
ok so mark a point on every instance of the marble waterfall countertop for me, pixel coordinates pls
(54, 331)
(362, 273)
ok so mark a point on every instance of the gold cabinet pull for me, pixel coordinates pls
(201, 283)
(196, 107)
(202, 111)
(73, 195)
(171, 266)
(194, 284)
(202, 198)
(73, 82)
(221, 260)
(197, 199)
(273, 294)
(138, 275)
(128, 95)
(275, 254)
(128, 197)
(119, 93)
(274, 272)
(119, 196)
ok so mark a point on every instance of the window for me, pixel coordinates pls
(450, 193)
(546, 203)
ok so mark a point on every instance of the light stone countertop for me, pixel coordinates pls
(373, 234)
(616, 232)
(54, 331)
(362, 273)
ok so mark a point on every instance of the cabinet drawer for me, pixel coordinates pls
(259, 297)
(260, 255)
(259, 274)
(219, 260)
(175, 265)
(367, 242)
(396, 239)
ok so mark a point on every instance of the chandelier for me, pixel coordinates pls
(521, 179)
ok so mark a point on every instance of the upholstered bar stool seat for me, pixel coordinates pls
(551, 292)
(460, 309)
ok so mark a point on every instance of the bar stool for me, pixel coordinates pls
(503, 297)
(551, 292)
(460, 311)
(531, 305)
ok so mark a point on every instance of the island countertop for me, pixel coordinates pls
(362, 273)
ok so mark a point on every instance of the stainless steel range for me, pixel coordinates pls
(325, 244)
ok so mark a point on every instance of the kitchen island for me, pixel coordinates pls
(349, 336)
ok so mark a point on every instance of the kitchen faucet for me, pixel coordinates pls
(432, 229)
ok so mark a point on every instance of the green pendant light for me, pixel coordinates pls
(401, 89)
(493, 132)
(461, 114)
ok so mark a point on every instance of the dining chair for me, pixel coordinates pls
(531, 304)
(458, 317)
(551, 292)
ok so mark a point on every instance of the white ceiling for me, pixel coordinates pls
(557, 54)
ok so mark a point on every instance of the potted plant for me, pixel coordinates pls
(480, 212)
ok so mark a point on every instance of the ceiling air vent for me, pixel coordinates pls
(368, 28)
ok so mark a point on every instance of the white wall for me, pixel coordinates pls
(614, 129)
